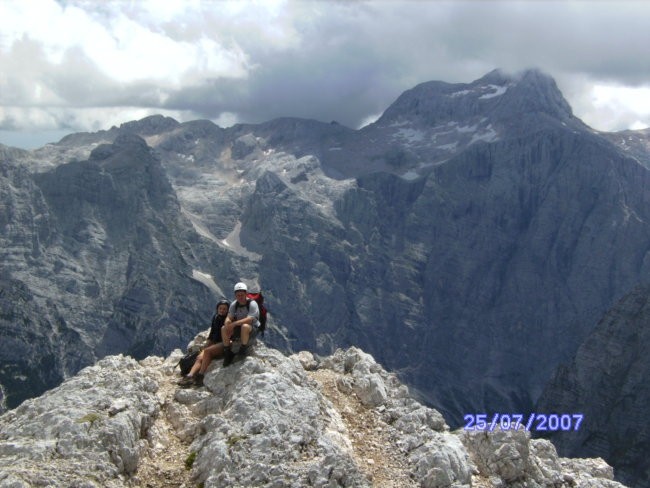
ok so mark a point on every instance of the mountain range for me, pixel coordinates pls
(470, 239)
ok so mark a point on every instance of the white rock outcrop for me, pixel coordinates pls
(89, 432)
(269, 420)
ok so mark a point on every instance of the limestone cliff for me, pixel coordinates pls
(95, 258)
(607, 381)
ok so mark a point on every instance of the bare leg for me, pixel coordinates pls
(226, 334)
(245, 333)
(197, 364)
(209, 353)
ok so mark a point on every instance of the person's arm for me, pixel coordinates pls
(246, 320)
(253, 312)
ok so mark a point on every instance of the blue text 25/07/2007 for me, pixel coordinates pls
(534, 421)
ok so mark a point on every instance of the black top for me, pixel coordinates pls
(215, 328)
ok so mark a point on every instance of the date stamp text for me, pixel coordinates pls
(538, 422)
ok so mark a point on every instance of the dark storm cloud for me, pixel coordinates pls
(353, 60)
(336, 71)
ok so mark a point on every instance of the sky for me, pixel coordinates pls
(85, 65)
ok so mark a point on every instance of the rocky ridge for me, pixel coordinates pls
(634, 143)
(269, 420)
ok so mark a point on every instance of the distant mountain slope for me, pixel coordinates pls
(607, 381)
(635, 143)
(96, 259)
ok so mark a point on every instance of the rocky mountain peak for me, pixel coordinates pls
(533, 91)
(126, 167)
(269, 420)
(496, 95)
(123, 144)
(154, 124)
(9, 153)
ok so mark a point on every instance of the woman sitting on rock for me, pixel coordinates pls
(214, 348)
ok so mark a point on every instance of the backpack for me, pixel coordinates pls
(259, 298)
(187, 361)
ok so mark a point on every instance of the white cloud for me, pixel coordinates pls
(626, 107)
(82, 119)
(609, 106)
(634, 99)
(369, 120)
(250, 61)
(226, 119)
(123, 48)
(166, 10)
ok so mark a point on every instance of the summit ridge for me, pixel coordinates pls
(267, 421)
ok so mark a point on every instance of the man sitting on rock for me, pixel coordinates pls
(214, 348)
(242, 320)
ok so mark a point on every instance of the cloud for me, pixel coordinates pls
(625, 107)
(79, 46)
(251, 61)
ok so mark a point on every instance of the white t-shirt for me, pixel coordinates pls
(241, 311)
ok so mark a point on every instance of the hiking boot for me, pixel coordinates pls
(198, 379)
(243, 350)
(228, 356)
(186, 381)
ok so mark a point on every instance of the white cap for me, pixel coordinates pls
(241, 286)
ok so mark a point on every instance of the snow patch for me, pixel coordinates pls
(207, 280)
(467, 128)
(498, 91)
(489, 135)
(628, 212)
(411, 135)
(201, 229)
(492, 91)
(416, 173)
(449, 147)
(233, 242)
(305, 177)
(410, 175)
